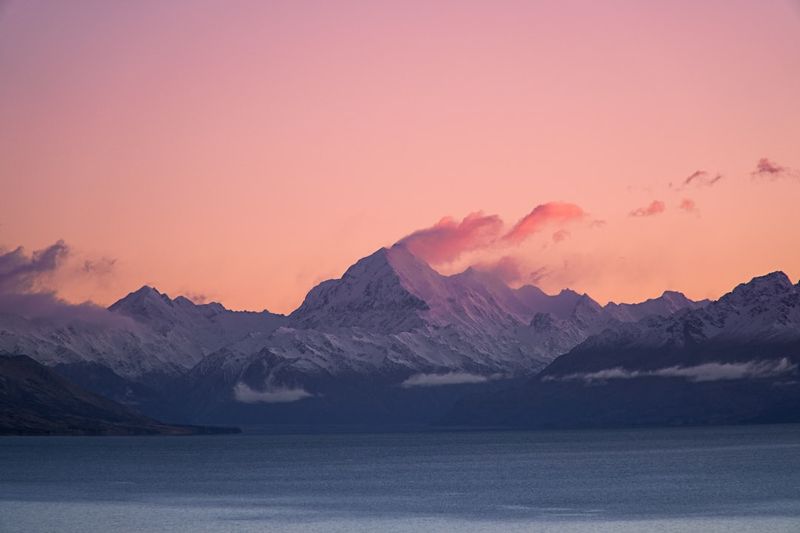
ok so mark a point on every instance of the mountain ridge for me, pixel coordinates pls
(390, 321)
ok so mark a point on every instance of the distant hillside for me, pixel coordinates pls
(34, 400)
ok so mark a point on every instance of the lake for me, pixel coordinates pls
(664, 480)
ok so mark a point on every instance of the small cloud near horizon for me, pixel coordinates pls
(198, 298)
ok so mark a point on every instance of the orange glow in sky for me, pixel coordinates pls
(246, 151)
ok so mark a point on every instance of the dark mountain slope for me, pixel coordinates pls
(34, 400)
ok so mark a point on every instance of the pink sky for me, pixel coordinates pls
(248, 150)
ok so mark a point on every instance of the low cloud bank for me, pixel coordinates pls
(436, 380)
(697, 373)
(244, 394)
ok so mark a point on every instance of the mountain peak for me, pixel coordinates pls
(143, 297)
(768, 285)
(777, 277)
(146, 290)
(374, 292)
(673, 294)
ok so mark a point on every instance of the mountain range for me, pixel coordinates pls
(393, 342)
(734, 360)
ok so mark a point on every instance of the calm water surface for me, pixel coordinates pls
(667, 480)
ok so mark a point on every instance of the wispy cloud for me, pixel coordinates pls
(701, 178)
(656, 207)
(196, 297)
(512, 270)
(244, 394)
(99, 267)
(437, 380)
(705, 372)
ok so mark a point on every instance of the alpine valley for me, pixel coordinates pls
(393, 343)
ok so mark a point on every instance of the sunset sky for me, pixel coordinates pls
(244, 151)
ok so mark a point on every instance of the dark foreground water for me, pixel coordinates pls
(669, 480)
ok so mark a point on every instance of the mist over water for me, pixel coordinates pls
(689, 479)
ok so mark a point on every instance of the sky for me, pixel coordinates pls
(244, 151)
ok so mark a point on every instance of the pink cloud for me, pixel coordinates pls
(688, 205)
(541, 216)
(445, 241)
(766, 168)
(656, 207)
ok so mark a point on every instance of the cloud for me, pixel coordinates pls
(20, 272)
(507, 268)
(698, 373)
(656, 207)
(561, 235)
(25, 291)
(436, 380)
(688, 205)
(765, 168)
(511, 270)
(244, 394)
(701, 178)
(445, 241)
(484, 237)
(198, 298)
(541, 216)
(99, 267)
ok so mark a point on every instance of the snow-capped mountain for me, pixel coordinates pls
(393, 320)
(748, 323)
(390, 320)
(668, 303)
(733, 360)
(145, 333)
